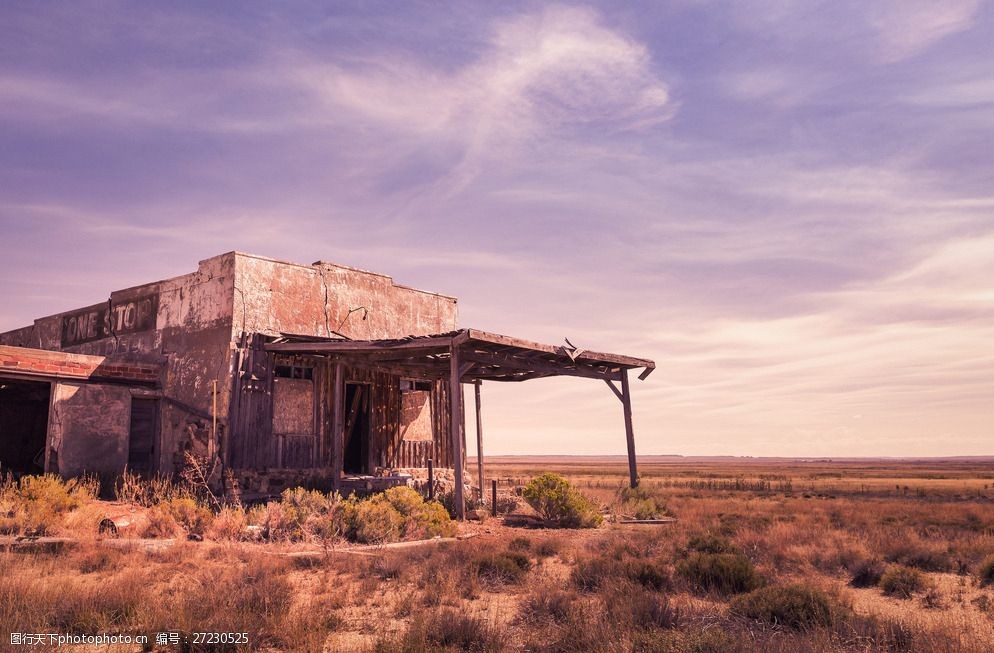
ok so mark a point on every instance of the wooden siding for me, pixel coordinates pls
(253, 443)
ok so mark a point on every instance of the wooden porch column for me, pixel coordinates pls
(479, 440)
(455, 426)
(338, 426)
(626, 403)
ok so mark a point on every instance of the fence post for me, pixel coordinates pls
(431, 481)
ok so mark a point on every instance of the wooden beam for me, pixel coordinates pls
(455, 429)
(338, 426)
(626, 402)
(567, 368)
(479, 439)
(358, 345)
(600, 357)
(417, 371)
(615, 390)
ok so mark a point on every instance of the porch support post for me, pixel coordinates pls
(479, 440)
(338, 426)
(626, 402)
(455, 426)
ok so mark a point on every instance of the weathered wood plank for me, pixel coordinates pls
(629, 432)
(479, 438)
(338, 426)
(455, 426)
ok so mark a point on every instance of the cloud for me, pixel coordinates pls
(906, 28)
(540, 76)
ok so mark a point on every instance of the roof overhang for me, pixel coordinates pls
(485, 356)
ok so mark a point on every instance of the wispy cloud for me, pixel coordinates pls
(906, 28)
(787, 205)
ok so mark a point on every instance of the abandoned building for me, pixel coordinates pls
(278, 373)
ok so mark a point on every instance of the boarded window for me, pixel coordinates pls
(293, 422)
(141, 436)
(293, 406)
(415, 416)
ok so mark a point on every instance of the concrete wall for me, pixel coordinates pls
(189, 332)
(84, 439)
(274, 297)
(190, 325)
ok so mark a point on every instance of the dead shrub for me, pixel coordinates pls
(725, 573)
(254, 597)
(901, 581)
(800, 607)
(636, 607)
(447, 629)
(161, 523)
(507, 567)
(189, 514)
(641, 503)
(866, 572)
(549, 547)
(910, 552)
(228, 524)
(593, 573)
(520, 543)
(708, 543)
(545, 605)
(986, 571)
(98, 558)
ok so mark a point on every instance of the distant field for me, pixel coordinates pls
(765, 555)
(962, 478)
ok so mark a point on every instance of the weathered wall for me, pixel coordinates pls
(191, 324)
(184, 323)
(88, 428)
(274, 297)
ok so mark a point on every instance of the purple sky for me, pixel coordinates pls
(789, 206)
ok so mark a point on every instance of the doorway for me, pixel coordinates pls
(357, 421)
(23, 425)
(141, 435)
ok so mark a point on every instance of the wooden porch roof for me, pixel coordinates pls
(483, 356)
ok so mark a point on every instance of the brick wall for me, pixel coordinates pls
(53, 364)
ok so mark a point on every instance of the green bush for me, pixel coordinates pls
(901, 581)
(986, 571)
(725, 573)
(399, 513)
(795, 606)
(560, 504)
(374, 521)
(35, 505)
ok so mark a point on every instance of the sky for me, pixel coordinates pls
(789, 206)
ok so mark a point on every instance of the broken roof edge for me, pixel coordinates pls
(303, 344)
(340, 266)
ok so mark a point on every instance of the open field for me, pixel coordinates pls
(817, 535)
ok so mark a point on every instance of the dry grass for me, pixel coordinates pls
(612, 589)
